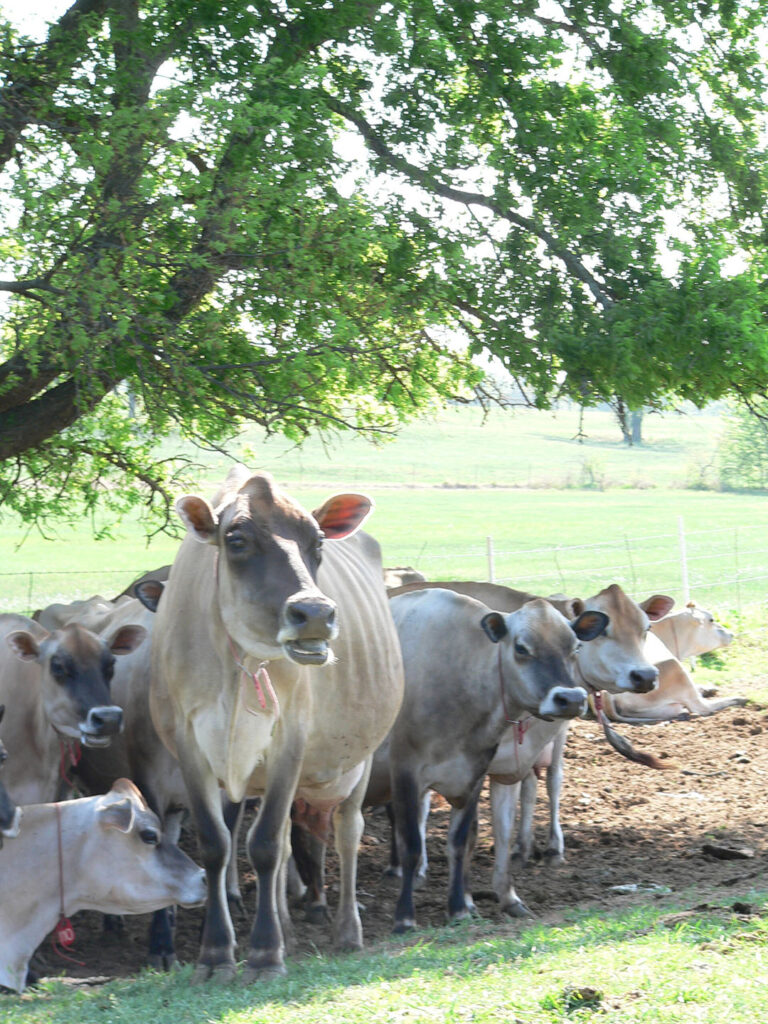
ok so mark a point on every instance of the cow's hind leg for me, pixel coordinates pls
(460, 841)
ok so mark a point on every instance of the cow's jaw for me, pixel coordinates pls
(307, 652)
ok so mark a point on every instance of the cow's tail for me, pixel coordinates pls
(622, 746)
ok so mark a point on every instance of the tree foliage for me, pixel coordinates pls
(182, 223)
(743, 448)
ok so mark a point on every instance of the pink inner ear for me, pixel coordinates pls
(341, 515)
(658, 606)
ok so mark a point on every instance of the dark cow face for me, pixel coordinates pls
(268, 555)
(76, 668)
(10, 814)
(537, 657)
(615, 661)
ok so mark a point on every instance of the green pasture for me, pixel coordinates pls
(656, 962)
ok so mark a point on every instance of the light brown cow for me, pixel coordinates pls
(56, 690)
(613, 662)
(469, 671)
(114, 858)
(273, 674)
(681, 635)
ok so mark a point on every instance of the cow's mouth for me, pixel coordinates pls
(307, 652)
(90, 739)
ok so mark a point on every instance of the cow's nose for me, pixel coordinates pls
(643, 680)
(310, 616)
(104, 721)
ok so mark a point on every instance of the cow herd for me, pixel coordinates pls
(273, 663)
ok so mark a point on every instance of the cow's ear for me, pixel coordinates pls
(577, 608)
(590, 625)
(23, 645)
(127, 639)
(494, 626)
(343, 514)
(116, 811)
(198, 517)
(657, 606)
(149, 593)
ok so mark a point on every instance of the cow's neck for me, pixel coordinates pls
(32, 860)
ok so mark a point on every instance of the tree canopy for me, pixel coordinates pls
(311, 216)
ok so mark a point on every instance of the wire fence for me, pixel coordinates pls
(724, 569)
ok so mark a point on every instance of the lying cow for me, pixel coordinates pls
(55, 686)
(469, 672)
(114, 858)
(672, 639)
(10, 814)
(247, 690)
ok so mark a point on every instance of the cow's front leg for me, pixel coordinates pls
(217, 947)
(524, 847)
(460, 842)
(267, 843)
(348, 825)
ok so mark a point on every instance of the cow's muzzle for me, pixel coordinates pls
(101, 725)
(643, 680)
(308, 625)
(563, 702)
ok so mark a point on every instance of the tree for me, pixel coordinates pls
(183, 228)
(743, 448)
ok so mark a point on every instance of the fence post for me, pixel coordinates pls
(491, 568)
(683, 561)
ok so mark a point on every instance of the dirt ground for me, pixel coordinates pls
(624, 825)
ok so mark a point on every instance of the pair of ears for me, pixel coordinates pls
(587, 626)
(339, 517)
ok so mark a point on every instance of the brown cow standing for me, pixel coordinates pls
(247, 691)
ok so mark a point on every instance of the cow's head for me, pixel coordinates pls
(132, 866)
(268, 555)
(695, 631)
(76, 668)
(615, 661)
(537, 657)
(10, 814)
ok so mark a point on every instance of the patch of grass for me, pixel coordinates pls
(626, 968)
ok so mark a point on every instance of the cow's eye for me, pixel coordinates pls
(319, 549)
(58, 667)
(150, 836)
(522, 651)
(109, 669)
(236, 542)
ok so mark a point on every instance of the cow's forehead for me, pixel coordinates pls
(541, 622)
(620, 609)
(260, 502)
(80, 644)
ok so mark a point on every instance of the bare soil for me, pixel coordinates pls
(625, 825)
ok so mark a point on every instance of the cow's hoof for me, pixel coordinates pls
(392, 872)
(317, 913)
(163, 962)
(351, 942)
(253, 973)
(403, 927)
(516, 908)
(221, 974)
(552, 858)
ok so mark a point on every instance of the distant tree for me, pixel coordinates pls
(187, 223)
(743, 448)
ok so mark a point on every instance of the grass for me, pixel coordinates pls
(650, 963)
